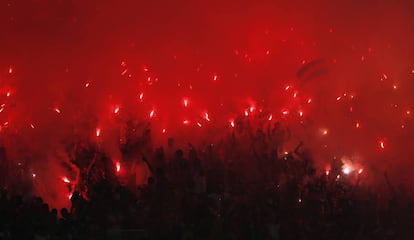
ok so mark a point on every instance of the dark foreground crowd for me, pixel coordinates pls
(241, 188)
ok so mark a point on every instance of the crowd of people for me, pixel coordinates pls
(242, 187)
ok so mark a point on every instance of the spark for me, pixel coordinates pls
(98, 132)
(8, 94)
(206, 116)
(301, 113)
(118, 166)
(70, 196)
(287, 87)
(327, 172)
(164, 130)
(124, 72)
(65, 179)
(251, 109)
(270, 117)
(232, 123)
(394, 87)
(295, 95)
(10, 70)
(185, 102)
(357, 125)
(32, 126)
(246, 113)
(57, 110)
(86, 85)
(199, 124)
(384, 77)
(360, 171)
(152, 113)
(1, 109)
(186, 122)
(33, 175)
(141, 96)
(382, 144)
(285, 112)
(309, 100)
(324, 131)
(116, 111)
(338, 98)
(408, 112)
(215, 77)
(268, 52)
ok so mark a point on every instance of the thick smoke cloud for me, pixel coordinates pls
(66, 66)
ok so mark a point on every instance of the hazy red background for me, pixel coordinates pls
(49, 50)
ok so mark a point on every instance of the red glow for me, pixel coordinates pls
(215, 71)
